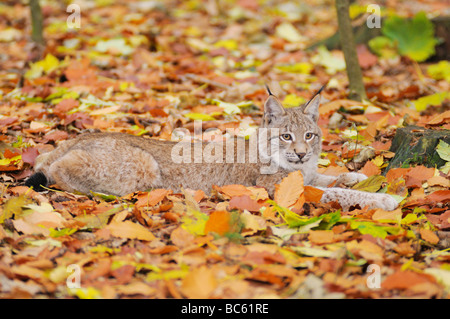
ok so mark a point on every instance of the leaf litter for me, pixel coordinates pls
(148, 76)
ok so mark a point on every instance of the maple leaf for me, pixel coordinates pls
(415, 37)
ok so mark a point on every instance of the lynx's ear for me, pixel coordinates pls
(272, 107)
(311, 108)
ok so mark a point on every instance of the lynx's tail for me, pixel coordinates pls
(37, 180)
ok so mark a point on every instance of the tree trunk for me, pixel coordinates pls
(356, 84)
(36, 22)
(417, 145)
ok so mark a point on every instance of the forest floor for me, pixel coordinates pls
(148, 67)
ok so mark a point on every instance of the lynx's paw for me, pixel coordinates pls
(383, 201)
(350, 179)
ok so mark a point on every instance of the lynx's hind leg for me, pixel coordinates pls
(102, 172)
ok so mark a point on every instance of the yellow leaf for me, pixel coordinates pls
(288, 32)
(371, 184)
(45, 66)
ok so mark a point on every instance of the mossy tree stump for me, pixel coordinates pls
(414, 145)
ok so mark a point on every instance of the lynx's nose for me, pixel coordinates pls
(300, 155)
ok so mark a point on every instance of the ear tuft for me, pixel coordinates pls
(312, 107)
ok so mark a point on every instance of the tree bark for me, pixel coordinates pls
(36, 22)
(415, 145)
(356, 84)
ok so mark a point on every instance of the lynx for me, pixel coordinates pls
(119, 164)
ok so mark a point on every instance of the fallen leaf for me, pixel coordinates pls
(429, 236)
(199, 283)
(219, 222)
(244, 202)
(405, 279)
(128, 229)
(313, 194)
(290, 190)
(321, 237)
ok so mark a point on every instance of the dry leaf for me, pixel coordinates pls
(289, 190)
(128, 229)
(429, 236)
(199, 283)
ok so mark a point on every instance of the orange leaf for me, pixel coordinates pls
(421, 173)
(440, 119)
(370, 169)
(442, 196)
(405, 280)
(218, 222)
(429, 236)
(313, 194)
(395, 173)
(244, 202)
(234, 190)
(289, 190)
(199, 283)
(130, 230)
(321, 236)
(152, 198)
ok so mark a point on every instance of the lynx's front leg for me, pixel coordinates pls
(349, 197)
(346, 179)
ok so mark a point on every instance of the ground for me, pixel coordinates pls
(148, 67)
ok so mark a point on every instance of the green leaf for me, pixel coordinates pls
(383, 47)
(369, 228)
(422, 103)
(414, 37)
(443, 149)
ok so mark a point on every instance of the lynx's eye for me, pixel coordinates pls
(309, 136)
(286, 137)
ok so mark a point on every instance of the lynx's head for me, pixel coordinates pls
(295, 133)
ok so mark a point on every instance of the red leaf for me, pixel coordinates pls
(29, 155)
